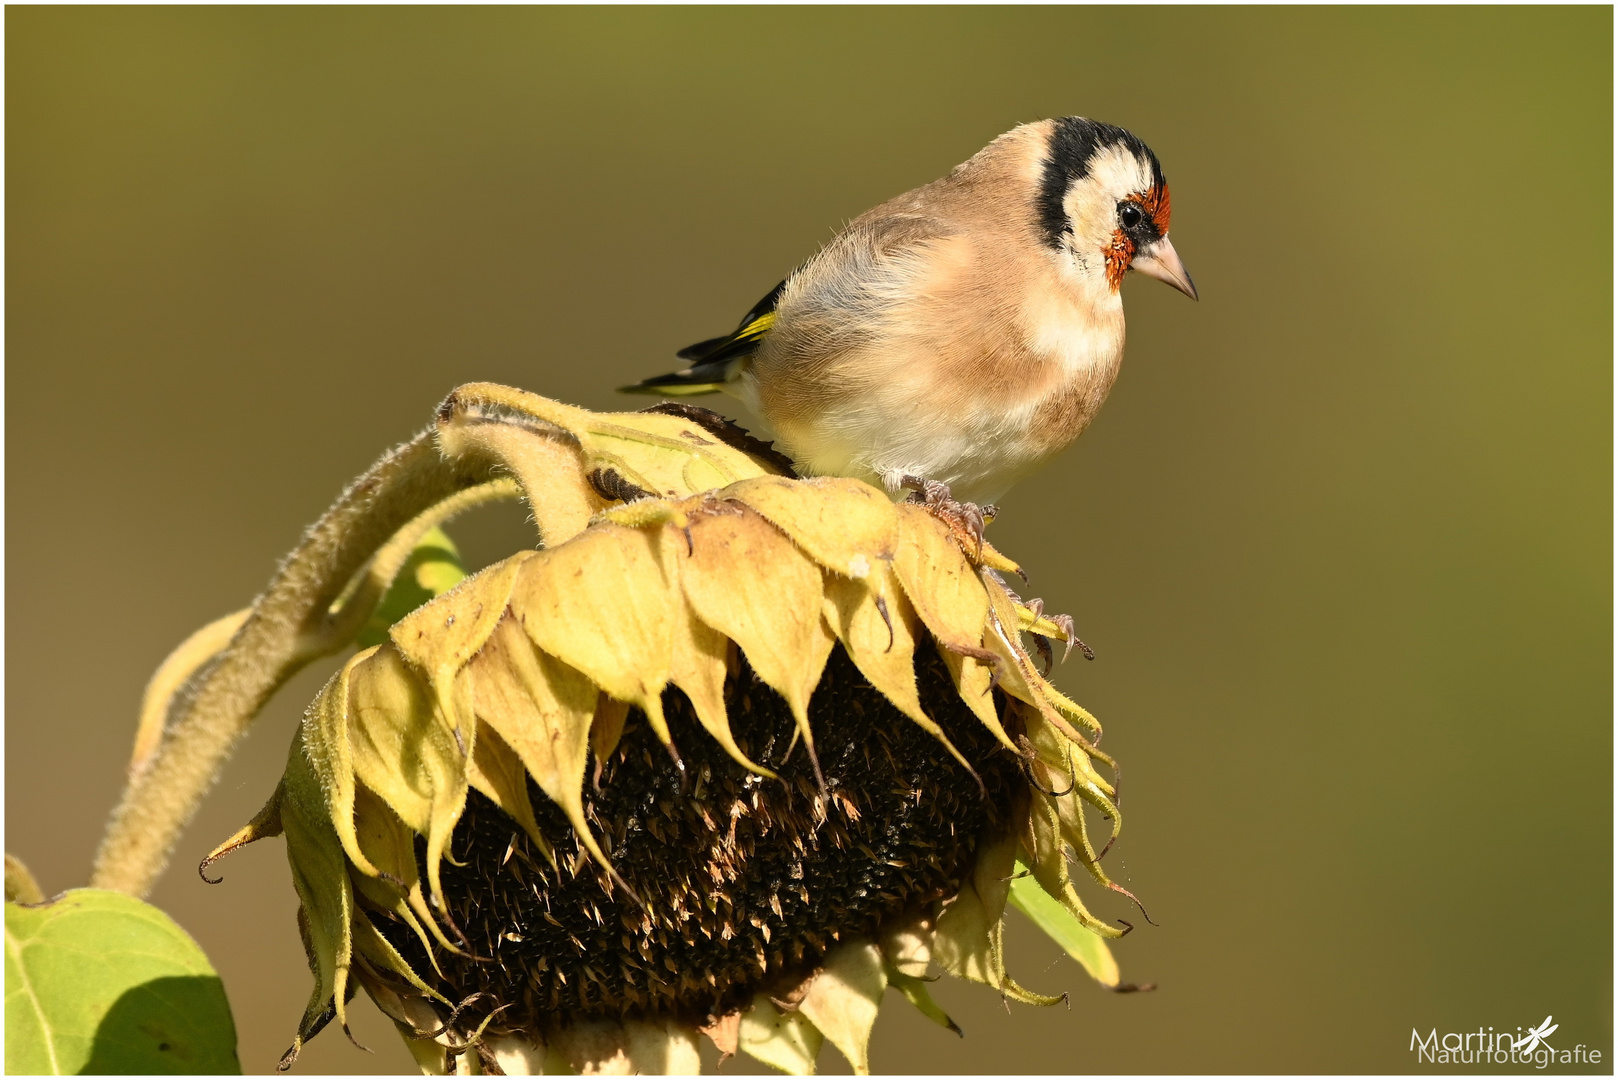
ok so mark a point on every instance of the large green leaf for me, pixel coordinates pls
(1061, 927)
(99, 982)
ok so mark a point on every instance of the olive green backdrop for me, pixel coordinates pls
(1341, 538)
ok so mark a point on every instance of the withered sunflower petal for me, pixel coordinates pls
(379, 951)
(543, 709)
(406, 751)
(744, 578)
(698, 669)
(612, 1047)
(843, 997)
(389, 848)
(1042, 840)
(915, 991)
(942, 586)
(602, 604)
(784, 1040)
(881, 640)
(327, 752)
(974, 682)
(497, 772)
(907, 946)
(320, 876)
(441, 636)
(844, 525)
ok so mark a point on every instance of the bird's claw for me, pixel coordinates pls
(1065, 623)
(965, 520)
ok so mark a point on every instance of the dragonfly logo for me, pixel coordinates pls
(1503, 1046)
(1535, 1038)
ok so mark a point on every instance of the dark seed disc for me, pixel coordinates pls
(744, 880)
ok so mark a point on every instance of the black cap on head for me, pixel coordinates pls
(1074, 142)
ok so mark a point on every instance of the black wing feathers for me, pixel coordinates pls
(714, 362)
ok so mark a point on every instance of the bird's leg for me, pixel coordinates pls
(965, 520)
(1043, 647)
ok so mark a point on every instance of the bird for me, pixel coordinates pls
(953, 339)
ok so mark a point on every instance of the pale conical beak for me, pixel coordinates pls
(1159, 260)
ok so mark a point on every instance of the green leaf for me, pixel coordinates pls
(433, 567)
(1061, 927)
(99, 982)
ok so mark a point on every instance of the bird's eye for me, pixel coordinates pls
(1130, 215)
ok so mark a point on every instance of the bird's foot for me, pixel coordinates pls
(1063, 624)
(965, 520)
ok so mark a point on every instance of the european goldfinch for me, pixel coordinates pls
(962, 333)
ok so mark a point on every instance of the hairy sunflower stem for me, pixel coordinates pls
(292, 623)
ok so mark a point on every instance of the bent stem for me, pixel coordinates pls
(348, 614)
(488, 442)
(296, 620)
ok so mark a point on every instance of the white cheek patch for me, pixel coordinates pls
(1091, 205)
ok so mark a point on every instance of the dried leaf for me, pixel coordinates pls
(781, 1040)
(846, 526)
(543, 709)
(942, 587)
(602, 604)
(698, 669)
(405, 752)
(746, 580)
(843, 998)
(497, 772)
(882, 647)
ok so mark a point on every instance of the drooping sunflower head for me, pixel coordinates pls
(732, 763)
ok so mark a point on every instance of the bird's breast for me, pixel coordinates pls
(1072, 358)
(976, 407)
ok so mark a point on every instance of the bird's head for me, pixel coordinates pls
(1104, 206)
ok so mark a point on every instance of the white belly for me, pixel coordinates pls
(979, 456)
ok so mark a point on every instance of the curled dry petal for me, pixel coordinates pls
(843, 997)
(780, 1038)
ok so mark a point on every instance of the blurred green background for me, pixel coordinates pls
(1341, 538)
